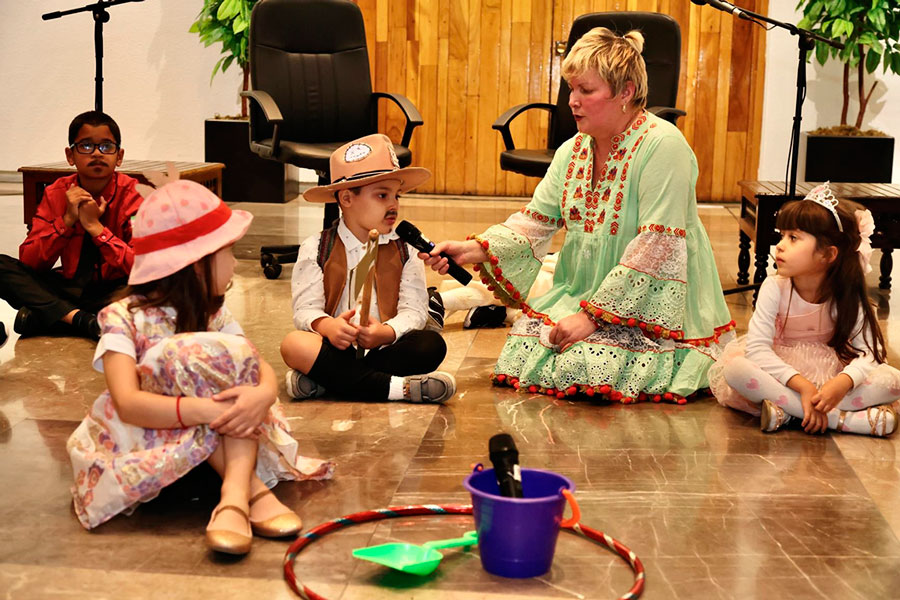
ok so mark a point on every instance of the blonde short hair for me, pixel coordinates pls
(615, 58)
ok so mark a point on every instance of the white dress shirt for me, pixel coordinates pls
(308, 286)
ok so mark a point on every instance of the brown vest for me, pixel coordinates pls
(332, 258)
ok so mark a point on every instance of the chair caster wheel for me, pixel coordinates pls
(266, 259)
(272, 271)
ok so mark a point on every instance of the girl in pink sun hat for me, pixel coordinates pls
(184, 385)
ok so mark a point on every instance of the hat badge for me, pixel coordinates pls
(357, 152)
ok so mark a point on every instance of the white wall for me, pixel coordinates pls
(156, 79)
(157, 83)
(822, 107)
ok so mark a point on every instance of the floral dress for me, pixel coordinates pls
(636, 258)
(117, 465)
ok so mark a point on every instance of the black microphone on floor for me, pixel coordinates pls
(505, 458)
(410, 234)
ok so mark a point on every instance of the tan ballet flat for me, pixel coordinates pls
(282, 525)
(227, 541)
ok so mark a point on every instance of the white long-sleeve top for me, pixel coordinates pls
(308, 285)
(761, 334)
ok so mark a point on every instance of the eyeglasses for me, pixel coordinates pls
(88, 147)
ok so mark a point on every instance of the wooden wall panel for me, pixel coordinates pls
(464, 62)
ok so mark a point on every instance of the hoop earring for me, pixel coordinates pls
(623, 109)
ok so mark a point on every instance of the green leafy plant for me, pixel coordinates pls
(228, 22)
(870, 31)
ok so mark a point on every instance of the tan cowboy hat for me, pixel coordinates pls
(364, 161)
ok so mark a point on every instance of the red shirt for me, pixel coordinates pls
(50, 239)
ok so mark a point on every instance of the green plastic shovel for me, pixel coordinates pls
(410, 558)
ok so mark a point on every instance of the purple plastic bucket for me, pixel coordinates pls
(517, 536)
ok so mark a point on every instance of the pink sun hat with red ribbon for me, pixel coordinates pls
(177, 225)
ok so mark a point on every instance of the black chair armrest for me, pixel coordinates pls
(665, 112)
(503, 121)
(273, 118)
(413, 118)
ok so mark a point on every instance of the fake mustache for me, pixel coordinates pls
(390, 213)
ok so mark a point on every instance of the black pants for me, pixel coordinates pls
(368, 378)
(48, 294)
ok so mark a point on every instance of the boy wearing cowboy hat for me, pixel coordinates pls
(326, 284)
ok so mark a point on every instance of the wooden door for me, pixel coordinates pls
(464, 62)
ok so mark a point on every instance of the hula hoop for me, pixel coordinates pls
(392, 512)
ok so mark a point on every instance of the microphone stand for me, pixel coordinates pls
(100, 15)
(806, 41)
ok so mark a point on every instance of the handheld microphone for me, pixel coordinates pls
(410, 234)
(505, 458)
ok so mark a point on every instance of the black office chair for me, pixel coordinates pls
(312, 92)
(662, 53)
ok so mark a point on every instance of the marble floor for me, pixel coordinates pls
(714, 508)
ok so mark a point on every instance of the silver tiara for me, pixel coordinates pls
(822, 195)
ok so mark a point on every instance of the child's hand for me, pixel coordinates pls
(89, 214)
(75, 196)
(832, 392)
(814, 421)
(571, 329)
(375, 334)
(250, 405)
(339, 331)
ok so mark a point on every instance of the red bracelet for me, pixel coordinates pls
(178, 410)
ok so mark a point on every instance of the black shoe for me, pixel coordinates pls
(3, 335)
(485, 316)
(435, 321)
(27, 323)
(86, 325)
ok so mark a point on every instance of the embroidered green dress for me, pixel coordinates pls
(636, 258)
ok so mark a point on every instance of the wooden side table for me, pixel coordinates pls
(36, 178)
(760, 201)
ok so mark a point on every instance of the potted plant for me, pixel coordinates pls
(870, 32)
(246, 177)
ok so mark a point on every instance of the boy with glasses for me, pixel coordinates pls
(83, 220)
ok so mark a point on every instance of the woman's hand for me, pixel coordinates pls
(375, 334)
(339, 330)
(832, 392)
(571, 329)
(463, 253)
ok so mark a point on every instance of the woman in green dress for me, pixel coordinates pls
(636, 310)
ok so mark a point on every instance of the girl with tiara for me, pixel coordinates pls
(813, 350)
